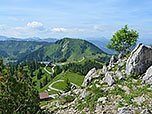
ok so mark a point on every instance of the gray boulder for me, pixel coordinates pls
(119, 75)
(113, 60)
(104, 69)
(125, 110)
(87, 78)
(140, 60)
(83, 95)
(108, 78)
(121, 55)
(146, 111)
(148, 76)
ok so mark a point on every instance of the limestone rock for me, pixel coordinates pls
(87, 78)
(148, 76)
(102, 99)
(121, 55)
(146, 111)
(125, 110)
(104, 69)
(112, 61)
(140, 60)
(119, 75)
(126, 89)
(139, 100)
(83, 95)
(78, 91)
(108, 78)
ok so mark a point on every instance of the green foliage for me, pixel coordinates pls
(119, 91)
(57, 70)
(123, 40)
(17, 94)
(39, 74)
(135, 76)
(68, 85)
(82, 68)
(68, 99)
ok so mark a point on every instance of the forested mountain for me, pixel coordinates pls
(16, 49)
(69, 49)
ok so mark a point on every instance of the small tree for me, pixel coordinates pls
(68, 85)
(123, 40)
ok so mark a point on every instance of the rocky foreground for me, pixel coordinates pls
(122, 87)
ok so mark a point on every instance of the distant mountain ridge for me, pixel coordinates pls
(37, 39)
(66, 48)
(16, 49)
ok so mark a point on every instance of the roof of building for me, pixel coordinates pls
(44, 95)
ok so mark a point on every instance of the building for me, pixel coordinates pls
(44, 96)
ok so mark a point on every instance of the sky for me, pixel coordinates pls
(74, 18)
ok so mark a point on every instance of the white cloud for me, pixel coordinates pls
(36, 25)
(59, 30)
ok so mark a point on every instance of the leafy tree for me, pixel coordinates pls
(123, 40)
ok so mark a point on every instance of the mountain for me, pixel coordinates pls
(66, 48)
(37, 39)
(102, 45)
(16, 49)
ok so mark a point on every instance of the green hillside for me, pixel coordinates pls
(17, 49)
(69, 49)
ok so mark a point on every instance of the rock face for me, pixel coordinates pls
(112, 61)
(119, 75)
(92, 74)
(87, 78)
(104, 69)
(108, 78)
(125, 110)
(148, 76)
(140, 60)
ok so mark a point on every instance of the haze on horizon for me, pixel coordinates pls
(76, 19)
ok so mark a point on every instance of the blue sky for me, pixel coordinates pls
(74, 18)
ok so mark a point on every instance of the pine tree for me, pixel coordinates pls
(17, 94)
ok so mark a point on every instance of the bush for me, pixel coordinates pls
(67, 99)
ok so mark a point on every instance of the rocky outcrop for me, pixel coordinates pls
(119, 75)
(87, 78)
(83, 95)
(108, 78)
(92, 74)
(113, 60)
(140, 60)
(148, 76)
(125, 110)
(104, 69)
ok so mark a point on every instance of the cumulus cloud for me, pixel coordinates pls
(36, 25)
(59, 30)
